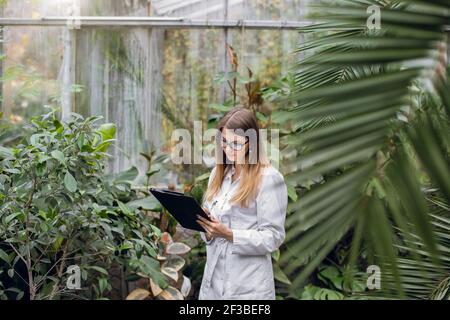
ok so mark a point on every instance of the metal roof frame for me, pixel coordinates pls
(156, 22)
(153, 22)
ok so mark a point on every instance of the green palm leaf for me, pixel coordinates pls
(365, 90)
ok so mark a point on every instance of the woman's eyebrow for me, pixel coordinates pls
(231, 141)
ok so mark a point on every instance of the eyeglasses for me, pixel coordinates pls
(237, 146)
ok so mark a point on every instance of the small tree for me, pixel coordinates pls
(58, 209)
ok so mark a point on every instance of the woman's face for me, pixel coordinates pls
(234, 146)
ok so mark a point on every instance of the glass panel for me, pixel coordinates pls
(146, 81)
(237, 9)
(31, 68)
(115, 8)
(42, 8)
(266, 10)
(191, 9)
(35, 8)
(119, 74)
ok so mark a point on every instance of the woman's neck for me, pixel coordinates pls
(237, 169)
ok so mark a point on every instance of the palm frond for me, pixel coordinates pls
(374, 132)
(430, 279)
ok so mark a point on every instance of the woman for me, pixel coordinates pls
(246, 199)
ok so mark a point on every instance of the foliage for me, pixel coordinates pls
(58, 209)
(172, 266)
(249, 84)
(370, 127)
(333, 284)
(10, 131)
(27, 91)
(430, 279)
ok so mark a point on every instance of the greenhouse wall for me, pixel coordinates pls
(133, 75)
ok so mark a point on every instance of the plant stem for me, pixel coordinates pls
(31, 287)
(60, 269)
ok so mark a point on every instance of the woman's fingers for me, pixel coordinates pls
(204, 226)
(213, 219)
(201, 223)
(212, 227)
(208, 214)
(210, 230)
(204, 220)
(206, 211)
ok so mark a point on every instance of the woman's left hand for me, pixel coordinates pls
(215, 228)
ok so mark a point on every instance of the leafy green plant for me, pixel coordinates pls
(59, 209)
(172, 265)
(312, 292)
(429, 279)
(245, 90)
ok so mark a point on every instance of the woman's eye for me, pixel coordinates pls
(237, 146)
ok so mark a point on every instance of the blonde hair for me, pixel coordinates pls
(239, 118)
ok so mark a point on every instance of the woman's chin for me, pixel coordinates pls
(230, 160)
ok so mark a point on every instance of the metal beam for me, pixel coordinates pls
(156, 22)
(153, 22)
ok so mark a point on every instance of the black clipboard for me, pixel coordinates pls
(182, 207)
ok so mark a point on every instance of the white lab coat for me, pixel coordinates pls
(242, 269)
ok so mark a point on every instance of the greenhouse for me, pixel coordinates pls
(224, 150)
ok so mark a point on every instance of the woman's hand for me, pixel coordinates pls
(215, 228)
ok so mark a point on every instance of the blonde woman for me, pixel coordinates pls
(246, 199)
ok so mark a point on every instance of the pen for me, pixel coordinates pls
(212, 206)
